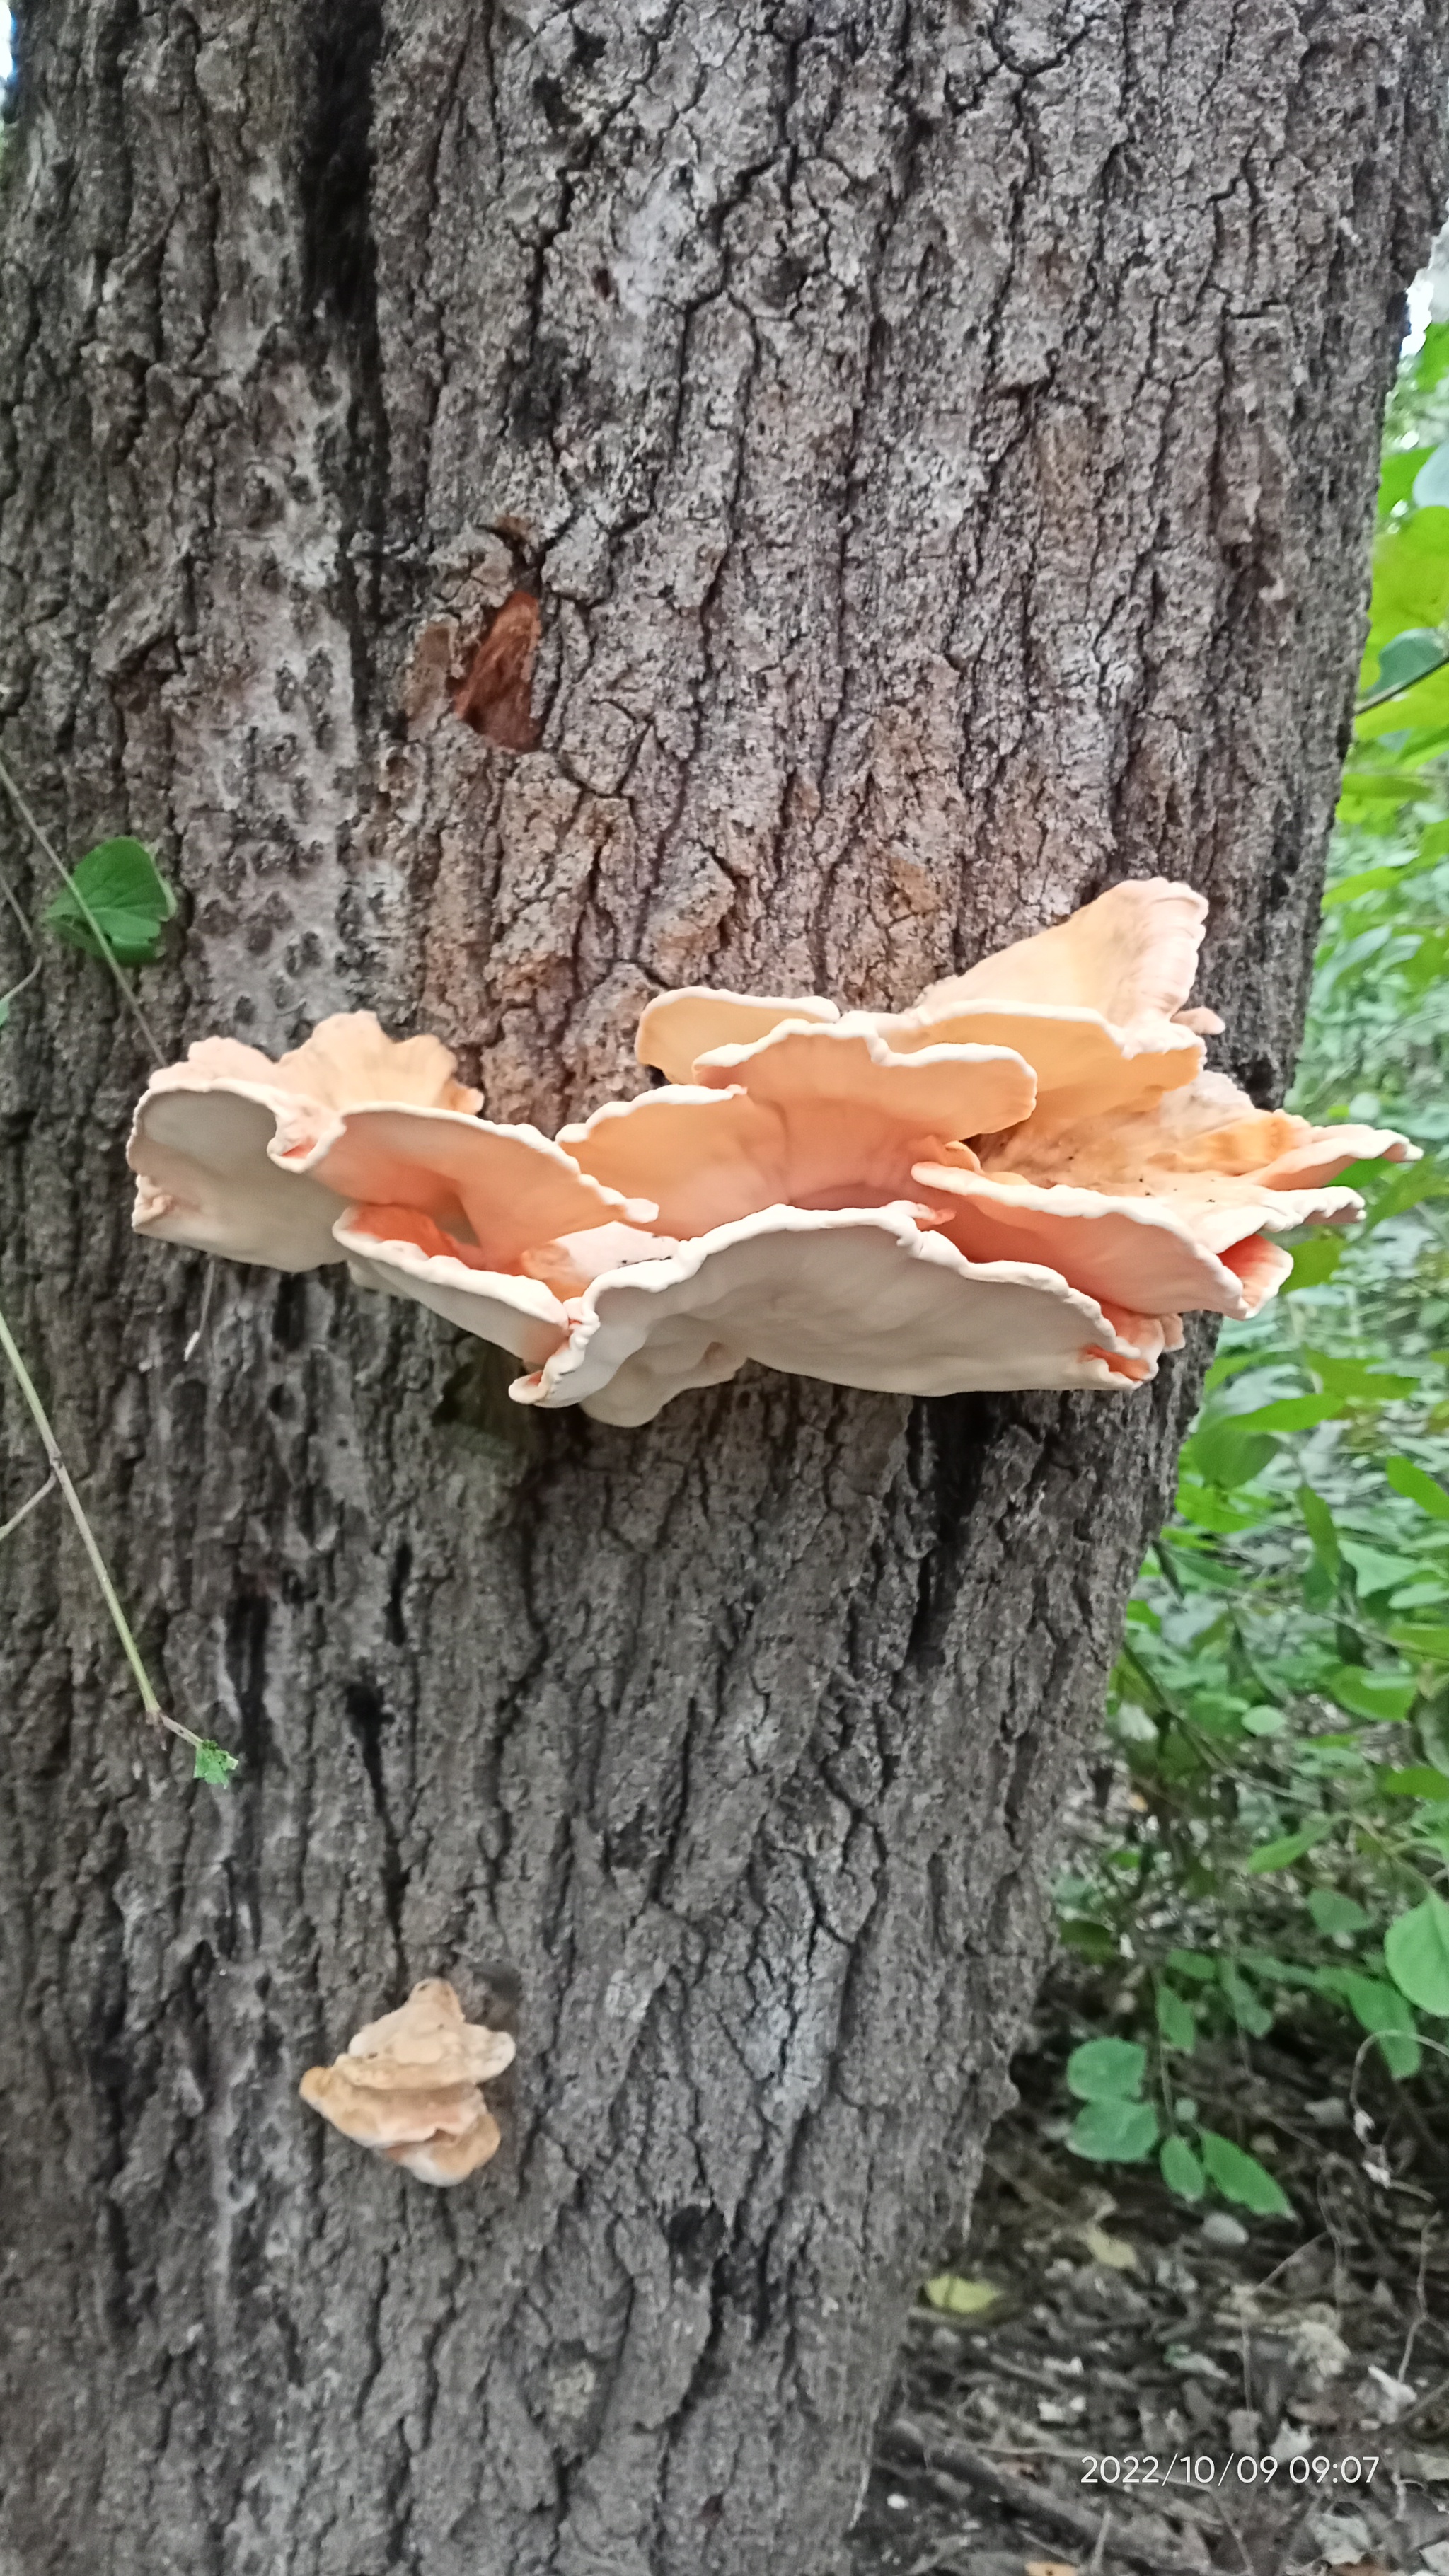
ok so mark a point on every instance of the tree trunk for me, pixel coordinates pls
(941, 438)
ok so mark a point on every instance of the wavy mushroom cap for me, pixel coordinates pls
(1207, 1142)
(426, 2041)
(210, 1134)
(806, 1117)
(496, 1191)
(1093, 1004)
(348, 1059)
(1131, 955)
(678, 1028)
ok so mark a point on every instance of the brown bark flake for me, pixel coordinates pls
(494, 696)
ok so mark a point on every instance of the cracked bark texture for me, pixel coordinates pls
(941, 437)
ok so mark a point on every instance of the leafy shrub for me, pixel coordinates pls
(1280, 1711)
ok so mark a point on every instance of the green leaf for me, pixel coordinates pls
(1355, 1382)
(1417, 1486)
(1264, 1720)
(1318, 1521)
(1431, 1644)
(1431, 484)
(1416, 1954)
(214, 1763)
(1335, 1915)
(1381, 2010)
(1375, 1570)
(1222, 1453)
(1283, 1972)
(1401, 1186)
(1208, 1510)
(1175, 2018)
(1090, 1940)
(955, 2296)
(1419, 1780)
(1249, 2014)
(1114, 2132)
(1106, 2070)
(1180, 2169)
(1241, 2178)
(1377, 1696)
(1315, 1261)
(127, 897)
(1411, 577)
(1291, 1413)
(1397, 476)
(1195, 1964)
(1374, 799)
(1430, 365)
(1289, 1847)
(1411, 657)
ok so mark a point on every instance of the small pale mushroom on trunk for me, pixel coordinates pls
(407, 2086)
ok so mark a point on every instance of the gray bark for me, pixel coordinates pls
(942, 439)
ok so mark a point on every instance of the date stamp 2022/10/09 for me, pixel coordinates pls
(1239, 2468)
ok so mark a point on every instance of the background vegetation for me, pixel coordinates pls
(1274, 1843)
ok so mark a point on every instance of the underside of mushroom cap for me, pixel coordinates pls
(862, 1299)
(206, 1177)
(1140, 1252)
(443, 2160)
(406, 1254)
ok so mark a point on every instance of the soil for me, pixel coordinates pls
(1162, 2388)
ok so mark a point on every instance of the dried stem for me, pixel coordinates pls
(27, 1508)
(60, 1475)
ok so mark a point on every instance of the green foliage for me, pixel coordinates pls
(213, 1763)
(1278, 1846)
(118, 892)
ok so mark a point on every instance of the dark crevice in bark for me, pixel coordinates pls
(339, 279)
(367, 1718)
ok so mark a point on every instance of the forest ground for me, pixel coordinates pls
(1277, 2359)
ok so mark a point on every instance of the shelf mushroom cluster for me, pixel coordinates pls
(407, 2086)
(1023, 1181)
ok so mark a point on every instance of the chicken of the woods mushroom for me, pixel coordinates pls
(1023, 1181)
(407, 2086)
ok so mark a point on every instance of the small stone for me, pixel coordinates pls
(1330, 2113)
(1227, 2234)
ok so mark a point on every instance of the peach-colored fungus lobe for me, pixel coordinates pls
(1023, 1181)
(407, 2086)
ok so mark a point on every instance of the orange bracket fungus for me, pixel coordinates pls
(408, 2086)
(1023, 1181)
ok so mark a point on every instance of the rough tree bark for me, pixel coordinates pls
(941, 436)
